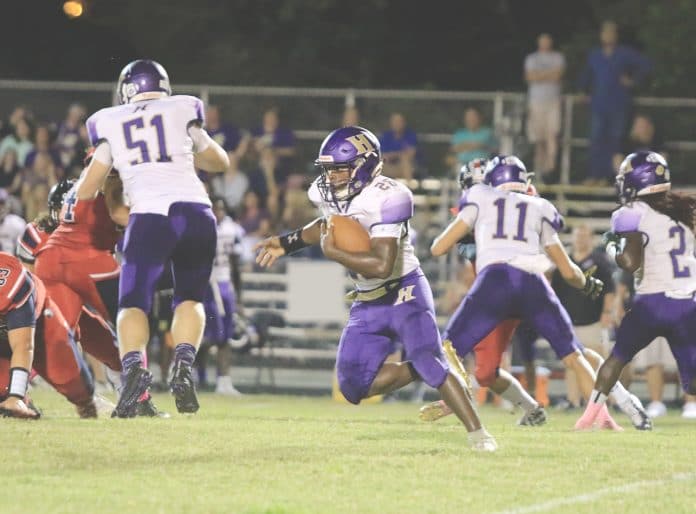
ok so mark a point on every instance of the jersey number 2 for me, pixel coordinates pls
(141, 144)
(521, 218)
(684, 272)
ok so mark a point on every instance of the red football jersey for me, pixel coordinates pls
(17, 284)
(31, 242)
(85, 225)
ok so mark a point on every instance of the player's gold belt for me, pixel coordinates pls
(373, 294)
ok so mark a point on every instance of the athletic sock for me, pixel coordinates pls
(598, 397)
(128, 361)
(516, 394)
(620, 394)
(184, 355)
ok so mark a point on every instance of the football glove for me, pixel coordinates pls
(467, 250)
(610, 237)
(593, 286)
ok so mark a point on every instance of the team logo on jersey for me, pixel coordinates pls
(405, 295)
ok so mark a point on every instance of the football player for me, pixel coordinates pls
(393, 300)
(652, 236)
(515, 232)
(35, 335)
(157, 141)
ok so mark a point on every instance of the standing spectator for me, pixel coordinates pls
(233, 140)
(43, 145)
(611, 72)
(543, 72)
(256, 222)
(37, 181)
(20, 141)
(279, 140)
(474, 141)
(399, 146)
(71, 139)
(11, 225)
(231, 185)
(643, 136)
(590, 317)
(351, 117)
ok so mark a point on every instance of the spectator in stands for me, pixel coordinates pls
(232, 139)
(351, 117)
(43, 145)
(20, 141)
(471, 142)
(18, 113)
(591, 318)
(280, 141)
(9, 168)
(36, 183)
(11, 225)
(399, 146)
(298, 210)
(543, 72)
(71, 139)
(611, 73)
(643, 136)
(232, 185)
(255, 219)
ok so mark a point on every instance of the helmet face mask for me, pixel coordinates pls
(142, 80)
(349, 159)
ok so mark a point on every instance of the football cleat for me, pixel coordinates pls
(483, 441)
(104, 405)
(606, 422)
(635, 411)
(184, 390)
(87, 410)
(434, 411)
(136, 383)
(534, 418)
(148, 409)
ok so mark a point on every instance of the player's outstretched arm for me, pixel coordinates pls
(22, 344)
(92, 179)
(449, 237)
(570, 271)
(377, 263)
(271, 249)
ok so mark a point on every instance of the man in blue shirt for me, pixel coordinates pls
(474, 141)
(399, 147)
(229, 137)
(612, 70)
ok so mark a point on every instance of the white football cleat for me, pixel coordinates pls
(656, 409)
(689, 411)
(482, 441)
(633, 408)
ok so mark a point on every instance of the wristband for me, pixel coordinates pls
(293, 242)
(19, 379)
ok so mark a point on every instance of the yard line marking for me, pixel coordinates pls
(594, 495)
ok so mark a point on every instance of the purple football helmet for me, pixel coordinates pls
(353, 149)
(642, 173)
(472, 173)
(142, 76)
(506, 172)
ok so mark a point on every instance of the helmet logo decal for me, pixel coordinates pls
(361, 143)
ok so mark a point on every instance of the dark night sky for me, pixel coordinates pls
(373, 43)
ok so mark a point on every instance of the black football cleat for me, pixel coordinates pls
(184, 390)
(148, 409)
(136, 383)
(534, 418)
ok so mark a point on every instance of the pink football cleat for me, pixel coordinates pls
(606, 422)
(587, 420)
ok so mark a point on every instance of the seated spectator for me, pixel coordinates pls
(279, 140)
(255, 220)
(71, 139)
(36, 182)
(11, 181)
(643, 136)
(399, 146)
(230, 138)
(474, 141)
(20, 141)
(232, 185)
(351, 117)
(18, 113)
(44, 145)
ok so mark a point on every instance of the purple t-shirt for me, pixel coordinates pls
(227, 136)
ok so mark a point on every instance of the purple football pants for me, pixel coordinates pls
(502, 292)
(405, 315)
(655, 315)
(186, 238)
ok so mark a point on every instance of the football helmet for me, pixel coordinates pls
(507, 172)
(642, 173)
(472, 173)
(354, 149)
(56, 196)
(140, 77)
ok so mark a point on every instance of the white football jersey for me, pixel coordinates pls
(669, 265)
(229, 242)
(383, 208)
(510, 227)
(152, 150)
(11, 229)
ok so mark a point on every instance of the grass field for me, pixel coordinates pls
(281, 455)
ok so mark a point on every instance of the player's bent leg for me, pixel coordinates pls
(391, 377)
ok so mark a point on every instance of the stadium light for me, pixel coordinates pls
(73, 8)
